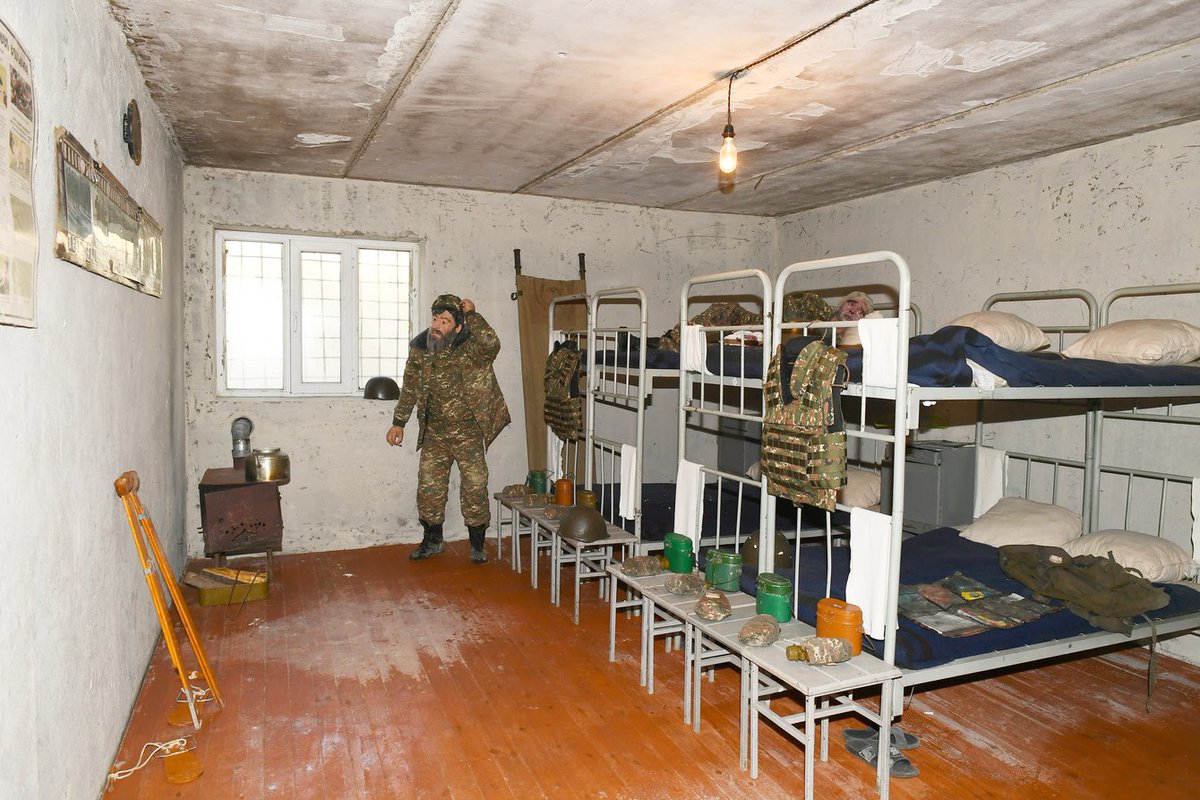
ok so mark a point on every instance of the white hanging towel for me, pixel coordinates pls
(989, 478)
(689, 485)
(879, 351)
(693, 349)
(1195, 519)
(629, 487)
(867, 585)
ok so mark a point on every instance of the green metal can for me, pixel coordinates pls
(774, 596)
(723, 570)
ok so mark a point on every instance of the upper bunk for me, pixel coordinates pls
(958, 362)
(620, 370)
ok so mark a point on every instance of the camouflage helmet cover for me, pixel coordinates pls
(450, 303)
(806, 307)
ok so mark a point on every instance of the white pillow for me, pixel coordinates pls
(848, 337)
(1157, 559)
(1006, 330)
(1015, 520)
(861, 489)
(1140, 341)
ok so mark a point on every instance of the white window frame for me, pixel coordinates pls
(293, 246)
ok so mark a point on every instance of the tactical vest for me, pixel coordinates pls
(563, 408)
(1096, 588)
(803, 445)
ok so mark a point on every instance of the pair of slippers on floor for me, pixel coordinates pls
(864, 743)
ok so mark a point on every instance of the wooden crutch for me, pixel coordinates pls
(145, 538)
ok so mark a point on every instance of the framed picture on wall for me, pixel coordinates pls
(18, 225)
(100, 227)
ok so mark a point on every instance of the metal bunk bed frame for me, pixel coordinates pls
(908, 399)
(695, 387)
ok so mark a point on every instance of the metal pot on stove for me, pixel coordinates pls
(268, 464)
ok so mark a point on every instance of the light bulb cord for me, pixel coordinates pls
(729, 99)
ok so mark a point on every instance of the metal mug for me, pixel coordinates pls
(536, 480)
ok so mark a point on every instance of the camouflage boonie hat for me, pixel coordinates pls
(451, 303)
(806, 307)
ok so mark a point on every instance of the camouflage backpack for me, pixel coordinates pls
(563, 408)
(803, 443)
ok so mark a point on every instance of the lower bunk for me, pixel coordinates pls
(731, 512)
(926, 655)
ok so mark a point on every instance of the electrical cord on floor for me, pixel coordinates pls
(160, 749)
(199, 693)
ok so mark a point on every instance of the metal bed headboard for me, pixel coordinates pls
(1136, 486)
(1061, 331)
(898, 390)
(1082, 295)
(614, 385)
(695, 387)
(1168, 412)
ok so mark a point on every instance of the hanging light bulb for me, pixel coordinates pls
(727, 160)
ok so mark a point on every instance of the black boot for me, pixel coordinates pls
(477, 533)
(431, 543)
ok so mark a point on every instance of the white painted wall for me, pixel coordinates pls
(349, 489)
(94, 390)
(1118, 214)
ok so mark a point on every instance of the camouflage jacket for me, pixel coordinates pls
(464, 373)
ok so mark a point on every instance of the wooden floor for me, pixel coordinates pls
(366, 675)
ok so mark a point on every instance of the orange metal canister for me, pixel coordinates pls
(838, 618)
(564, 492)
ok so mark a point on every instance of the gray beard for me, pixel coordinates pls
(436, 344)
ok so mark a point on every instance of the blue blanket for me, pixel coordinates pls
(658, 510)
(939, 359)
(720, 360)
(931, 557)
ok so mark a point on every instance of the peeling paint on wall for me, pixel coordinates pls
(920, 60)
(304, 27)
(982, 56)
(809, 111)
(319, 139)
(407, 35)
(871, 23)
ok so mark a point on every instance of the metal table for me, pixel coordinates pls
(765, 672)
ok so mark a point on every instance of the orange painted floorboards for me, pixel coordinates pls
(366, 675)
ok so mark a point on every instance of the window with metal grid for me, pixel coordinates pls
(304, 315)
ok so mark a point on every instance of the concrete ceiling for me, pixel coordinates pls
(624, 101)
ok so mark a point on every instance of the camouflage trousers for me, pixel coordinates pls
(438, 452)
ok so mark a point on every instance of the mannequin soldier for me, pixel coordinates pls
(450, 380)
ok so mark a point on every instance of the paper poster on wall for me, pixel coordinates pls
(18, 227)
(100, 227)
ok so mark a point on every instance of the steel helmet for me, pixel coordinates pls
(381, 388)
(583, 524)
(782, 548)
